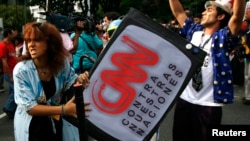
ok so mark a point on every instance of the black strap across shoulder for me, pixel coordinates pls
(89, 46)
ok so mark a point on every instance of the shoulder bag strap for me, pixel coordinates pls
(89, 46)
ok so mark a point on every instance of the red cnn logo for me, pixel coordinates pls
(129, 71)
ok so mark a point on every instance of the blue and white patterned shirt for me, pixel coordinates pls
(222, 44)
(29, 92)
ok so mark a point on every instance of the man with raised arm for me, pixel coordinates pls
(199, 107)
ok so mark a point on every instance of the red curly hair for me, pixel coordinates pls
(57, 53)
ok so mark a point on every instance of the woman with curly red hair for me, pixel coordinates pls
(40, 79)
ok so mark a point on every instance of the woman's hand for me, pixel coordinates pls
(83, 79)
(70, 108)
(87, 108)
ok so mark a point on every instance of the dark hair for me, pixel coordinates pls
(6, 32)
(19, 38)
(56, 51)
(197, 15)
(112, 15)
(89, 25)
(225, 21)
(189, 13)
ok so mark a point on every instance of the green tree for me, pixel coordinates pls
(62, 6)
(125, 5)
(110, 5)
(157, 9)
(13, 16)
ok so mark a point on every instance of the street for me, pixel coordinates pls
(235, 114)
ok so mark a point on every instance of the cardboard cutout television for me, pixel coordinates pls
(136, 79)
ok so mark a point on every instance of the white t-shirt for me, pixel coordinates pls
(205, 96)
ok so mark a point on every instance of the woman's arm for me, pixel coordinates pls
(68, 109)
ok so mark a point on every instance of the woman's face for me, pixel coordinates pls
(37, 48)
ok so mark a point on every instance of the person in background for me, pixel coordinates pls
(68, 44)
(112, 27)
(60, 22)
(189, 13)
(107, 19)
(1, 74)
(246, 45)
(9, 60)
(99, 28)
(19, 45)
(197, 18)
(85, 42)
(174, 25)
(41, 77)
(2, 89)
(199, 107)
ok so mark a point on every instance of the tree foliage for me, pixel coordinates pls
(153, 8)
(156, 9)
(14, 15)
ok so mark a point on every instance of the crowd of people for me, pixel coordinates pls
(44, 62)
